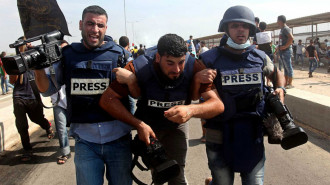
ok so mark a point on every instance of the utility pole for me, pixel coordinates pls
(125, 17)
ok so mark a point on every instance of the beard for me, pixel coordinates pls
(90, 45)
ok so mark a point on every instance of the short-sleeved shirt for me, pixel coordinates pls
(123, 90)
(300, 49)
(310, 49)
(284, 36)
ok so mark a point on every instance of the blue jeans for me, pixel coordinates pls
(301, 56)
(286, 59)
(60, 124)
(3, 81)
(222, 174)
(312, 64)
(92, 160)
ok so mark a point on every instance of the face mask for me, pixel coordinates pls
(232, 44)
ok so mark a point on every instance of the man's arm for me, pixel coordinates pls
(202, 77)
(124, 76)
(280, 80)
(13, 79)
(110, 102)
(42, 80)
(205, 76)
(315, 54)
(208, 109)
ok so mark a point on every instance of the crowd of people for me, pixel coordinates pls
(107, 89)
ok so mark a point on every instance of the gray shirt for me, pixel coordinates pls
(284, 35)
(299, 48)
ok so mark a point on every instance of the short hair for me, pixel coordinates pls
(202, 42)
(326, 40)
(123, 41)
(281, 18)
(141, 45)
(191, 36)
(299, 40)
(3, 54)
(263, 26)
(140, 52)
(94, 9)
(256, 19)
(171, 44)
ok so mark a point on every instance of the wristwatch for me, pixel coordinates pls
(284, 90)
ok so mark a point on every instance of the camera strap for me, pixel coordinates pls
(36, 91)
(135, 162)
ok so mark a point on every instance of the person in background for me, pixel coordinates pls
(27, 103)
(300, 53)
(285, 50)
(203, 48)
(124, 42)
(60, 119)
(5, 85)
(313, 58)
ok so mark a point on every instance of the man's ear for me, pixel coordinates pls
(157, 57)
(80, 25)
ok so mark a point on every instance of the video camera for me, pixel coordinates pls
(154, 158)
(39, 57)
(293, 135)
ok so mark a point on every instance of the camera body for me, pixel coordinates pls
(293, 135)
(38, 57)
(155, 158)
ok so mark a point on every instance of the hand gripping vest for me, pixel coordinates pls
(88, 73)
(240, 85)
(158, 96)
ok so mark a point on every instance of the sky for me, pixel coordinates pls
(148, 20)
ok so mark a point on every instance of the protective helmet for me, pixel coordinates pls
(238, 14)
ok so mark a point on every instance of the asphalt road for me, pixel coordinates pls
(304, 165)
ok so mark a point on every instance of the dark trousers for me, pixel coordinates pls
(34, 110)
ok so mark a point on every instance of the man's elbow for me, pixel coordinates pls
(107, 99)
(218, 107)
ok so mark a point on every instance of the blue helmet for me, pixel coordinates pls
(238, 14)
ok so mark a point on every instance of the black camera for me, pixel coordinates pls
(38, 57)
(293, 135)
(154, 157)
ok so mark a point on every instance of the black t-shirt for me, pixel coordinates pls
(310, 49)
(23, 90)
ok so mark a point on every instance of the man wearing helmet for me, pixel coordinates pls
(234, 140)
